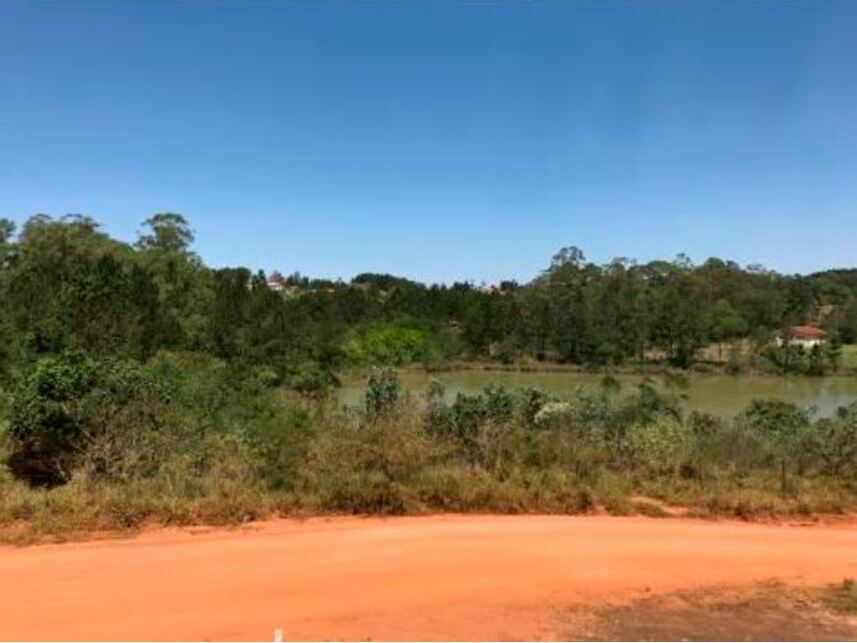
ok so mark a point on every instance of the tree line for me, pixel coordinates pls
(67, 285)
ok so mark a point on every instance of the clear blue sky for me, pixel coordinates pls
(441, 140)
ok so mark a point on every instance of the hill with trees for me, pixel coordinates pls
(67, 285)
(138, 384)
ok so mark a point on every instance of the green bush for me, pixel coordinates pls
(837, 444)
(278, 441)
(780, 432)
(70, 404)
(357, 466)
(660, 447)
(391, 345)
(383, 391)
(311, 379)
(266, 375)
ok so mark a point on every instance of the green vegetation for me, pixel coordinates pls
(849, 357)
(137, 384)
(387, 344)
(68, 286)
(842, 597)
(101, 444)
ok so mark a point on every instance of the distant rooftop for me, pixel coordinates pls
(807, 332)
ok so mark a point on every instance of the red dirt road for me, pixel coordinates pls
(443, 577)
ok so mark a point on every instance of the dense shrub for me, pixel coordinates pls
(177, 418)
(837, 444)
(660, 447)
(382, 391)
(388, 345)
(311, 378)
(73, 406)
(367, 466)
(186, 437)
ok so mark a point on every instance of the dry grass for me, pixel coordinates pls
(75, 511)
(769, 612)
(841, 597)
(333, 461)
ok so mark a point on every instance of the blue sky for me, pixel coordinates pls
(441, 140)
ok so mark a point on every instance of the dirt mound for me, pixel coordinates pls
(442, 577)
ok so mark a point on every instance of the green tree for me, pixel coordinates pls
(848, 321)
(230, 311)
(71, 286)
(168, 233)
(183, 284)
(724, 323)
(389, 344)
(833, 350)
(816, 361)
(7, 231)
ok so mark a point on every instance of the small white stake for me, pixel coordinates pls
(278, 635)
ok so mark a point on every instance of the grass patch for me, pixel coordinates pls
(842, 597)
(849, 357)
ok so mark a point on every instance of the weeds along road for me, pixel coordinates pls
(441, 577)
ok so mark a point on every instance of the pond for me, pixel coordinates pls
(722, 395)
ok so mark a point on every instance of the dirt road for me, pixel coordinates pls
(459, 577)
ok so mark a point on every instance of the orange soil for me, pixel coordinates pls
(440, 577)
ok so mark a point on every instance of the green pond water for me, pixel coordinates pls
(722, 395)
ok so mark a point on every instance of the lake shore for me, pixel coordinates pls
(646, 368)
(709, 392)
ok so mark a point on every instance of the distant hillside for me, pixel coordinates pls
(844, 276)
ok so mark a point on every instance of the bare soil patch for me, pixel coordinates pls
(768, 612)
(424, 578)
